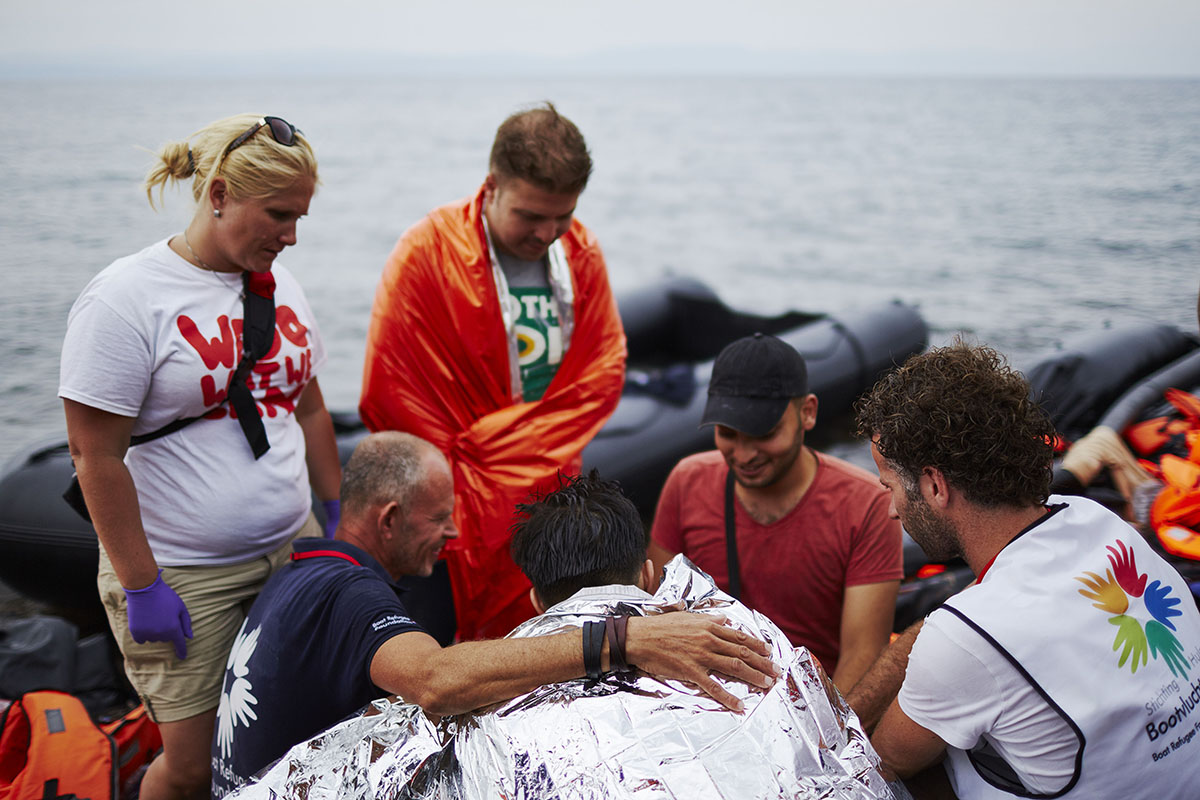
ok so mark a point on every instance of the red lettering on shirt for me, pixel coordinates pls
(214, 352)
(225, 351)
(289, 325)
(266, 370)
(301, 372)
(211, 394)
(275, 401)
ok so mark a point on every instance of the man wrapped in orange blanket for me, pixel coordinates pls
(495, 336)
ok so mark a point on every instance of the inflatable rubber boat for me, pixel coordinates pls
(674, 329)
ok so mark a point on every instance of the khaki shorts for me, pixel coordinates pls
(217, 599)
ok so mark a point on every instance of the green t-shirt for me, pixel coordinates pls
(539, 340)
(539, 332)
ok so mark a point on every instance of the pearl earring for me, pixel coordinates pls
(217, 213)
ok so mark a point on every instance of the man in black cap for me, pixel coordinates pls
(811, 538)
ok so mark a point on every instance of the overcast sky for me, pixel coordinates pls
(1056, 37)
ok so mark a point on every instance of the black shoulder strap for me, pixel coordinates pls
(237, 377)
(171, 427)
(731, 551)
(258, 334)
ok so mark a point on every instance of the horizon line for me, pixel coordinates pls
(683, 61)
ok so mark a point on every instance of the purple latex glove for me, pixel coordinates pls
(156, 614)
(333, 514)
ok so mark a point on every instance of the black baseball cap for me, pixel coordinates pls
(753, 380)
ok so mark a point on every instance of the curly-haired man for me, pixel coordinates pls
(1071, 668)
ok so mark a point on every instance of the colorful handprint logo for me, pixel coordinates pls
(1123, 593)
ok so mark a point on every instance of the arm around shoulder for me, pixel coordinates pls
(468, 675)
(465, 676)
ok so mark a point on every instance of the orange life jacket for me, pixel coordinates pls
(1147, 438)
(1175, 515)
(50, 750)
(137, 740)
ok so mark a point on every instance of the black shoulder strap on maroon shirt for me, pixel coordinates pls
(731, 551)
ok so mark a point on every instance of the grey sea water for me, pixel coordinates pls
(1020, 211)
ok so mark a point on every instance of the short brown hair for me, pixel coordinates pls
(962, 410)
(543, 147)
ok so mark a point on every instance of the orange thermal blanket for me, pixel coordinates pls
(437, 366)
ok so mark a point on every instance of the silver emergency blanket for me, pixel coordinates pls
(626, 736)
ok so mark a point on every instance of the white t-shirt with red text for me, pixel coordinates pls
(155, 338)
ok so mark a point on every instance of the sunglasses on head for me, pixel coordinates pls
(281, 130)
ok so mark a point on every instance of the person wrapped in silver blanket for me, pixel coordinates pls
(616, 733)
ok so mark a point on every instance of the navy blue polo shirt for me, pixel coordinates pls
(302, 659)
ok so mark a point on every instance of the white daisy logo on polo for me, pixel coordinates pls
(237, 702)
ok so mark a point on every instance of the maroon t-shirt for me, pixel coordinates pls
(794, 570)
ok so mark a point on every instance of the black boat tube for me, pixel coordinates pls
(1183, 373)
(1078, 384)
(49, 554)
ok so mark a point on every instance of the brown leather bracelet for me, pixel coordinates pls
(610, 630)
(615, 628)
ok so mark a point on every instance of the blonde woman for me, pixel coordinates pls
(197, 426)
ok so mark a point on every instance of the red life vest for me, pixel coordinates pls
(50, 749)
(1175, 515)
(137, 739)
(1149, 438)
